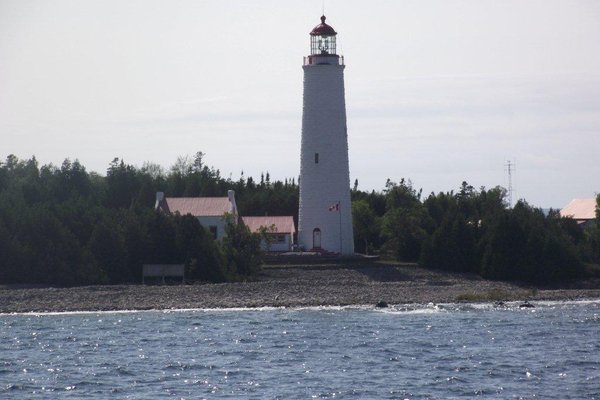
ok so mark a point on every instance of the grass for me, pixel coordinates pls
(491, 295)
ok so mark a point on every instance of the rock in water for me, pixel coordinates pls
(381, 304)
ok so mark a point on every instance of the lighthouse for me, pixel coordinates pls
(325, 214)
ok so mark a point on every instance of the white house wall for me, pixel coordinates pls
(286, 245)
(219, 222)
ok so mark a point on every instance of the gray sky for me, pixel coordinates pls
(437, 91)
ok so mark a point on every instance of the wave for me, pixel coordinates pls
(410, 308)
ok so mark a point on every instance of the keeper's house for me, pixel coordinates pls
(279, 231)
(208, 210)
(581, 210)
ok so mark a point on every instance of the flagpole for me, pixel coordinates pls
(340, 213)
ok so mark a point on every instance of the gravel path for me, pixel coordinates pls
(291, 286)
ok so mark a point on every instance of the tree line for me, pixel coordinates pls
(474, 231)
(64, 225)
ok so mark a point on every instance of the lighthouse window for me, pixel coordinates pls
(316, 158)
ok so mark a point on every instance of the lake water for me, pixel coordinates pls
(551, 351)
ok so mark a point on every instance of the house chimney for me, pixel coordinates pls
(160, 196)
(231, 195)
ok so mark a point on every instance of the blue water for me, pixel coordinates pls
(406, 352)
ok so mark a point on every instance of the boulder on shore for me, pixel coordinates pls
(381, 304)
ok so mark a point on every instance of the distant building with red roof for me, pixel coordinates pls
(581, 210)
(279, 229)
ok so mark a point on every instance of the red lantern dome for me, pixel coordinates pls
(323, 29)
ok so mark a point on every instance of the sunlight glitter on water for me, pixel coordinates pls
(404, 351)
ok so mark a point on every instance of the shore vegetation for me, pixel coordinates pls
(63, 225)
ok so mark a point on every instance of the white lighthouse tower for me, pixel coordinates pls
(325, 215)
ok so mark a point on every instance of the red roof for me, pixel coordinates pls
(580, 209)
(198, 206)
(323, 29)
(282, 224)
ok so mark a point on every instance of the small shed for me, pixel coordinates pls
(280, 231)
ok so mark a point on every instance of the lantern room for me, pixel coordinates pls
(322, 39)
(323, 45)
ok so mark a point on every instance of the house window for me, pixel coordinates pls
(213, 231)
(280, 239)
(316, 158)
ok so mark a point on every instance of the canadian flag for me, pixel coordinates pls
(335, 207)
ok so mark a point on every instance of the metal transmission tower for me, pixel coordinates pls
(510, 167)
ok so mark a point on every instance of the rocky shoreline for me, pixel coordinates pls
(292, 286)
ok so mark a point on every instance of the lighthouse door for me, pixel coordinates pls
(316, 238)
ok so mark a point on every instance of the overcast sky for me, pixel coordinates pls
(437, 91)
